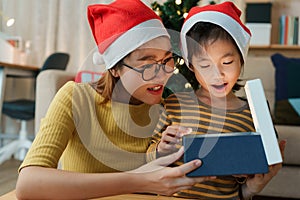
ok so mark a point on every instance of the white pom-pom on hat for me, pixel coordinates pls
(97, 58)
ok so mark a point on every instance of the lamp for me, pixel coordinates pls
(9, 21)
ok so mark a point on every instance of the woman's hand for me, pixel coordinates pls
(160, 179)
(256, 183)
(171, 139)
(154, 177)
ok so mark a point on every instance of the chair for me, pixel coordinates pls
(24, 109)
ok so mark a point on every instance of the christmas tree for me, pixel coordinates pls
(173, 13)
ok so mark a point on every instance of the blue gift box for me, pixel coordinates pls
(226, 154)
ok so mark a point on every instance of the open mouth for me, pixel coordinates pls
(156, 88)
(220, 86)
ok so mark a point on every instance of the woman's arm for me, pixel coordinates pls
(48, 183)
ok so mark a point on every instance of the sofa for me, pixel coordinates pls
(285, 184)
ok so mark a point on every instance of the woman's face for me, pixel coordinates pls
(150, 92)
(218, 67)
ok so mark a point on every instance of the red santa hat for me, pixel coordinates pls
(121, 27)
(226, 15)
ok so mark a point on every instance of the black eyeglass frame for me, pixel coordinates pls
(144, 67)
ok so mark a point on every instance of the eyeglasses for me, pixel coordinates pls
(150, 71)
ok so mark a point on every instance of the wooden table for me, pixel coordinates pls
(11, 196)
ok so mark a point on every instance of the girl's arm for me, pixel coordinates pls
(256, 183)
(47, 183)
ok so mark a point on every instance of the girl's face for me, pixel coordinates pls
(150, 92)
(218, 67)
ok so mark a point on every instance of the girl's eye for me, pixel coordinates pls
(204, 66)
(228, 63)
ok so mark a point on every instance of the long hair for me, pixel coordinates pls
(106, 84)
(202, 34)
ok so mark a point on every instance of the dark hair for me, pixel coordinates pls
(204, 33)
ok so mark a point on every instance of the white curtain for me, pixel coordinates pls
(52, 25)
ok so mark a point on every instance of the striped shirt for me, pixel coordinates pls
(186, 110)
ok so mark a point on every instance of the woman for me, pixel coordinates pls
(106, 127)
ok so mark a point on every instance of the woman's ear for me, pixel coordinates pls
(114, 72)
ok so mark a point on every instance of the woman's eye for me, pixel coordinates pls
(165, 61)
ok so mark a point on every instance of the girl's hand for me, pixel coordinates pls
(171, 139)
(256, 183)
(160, 179)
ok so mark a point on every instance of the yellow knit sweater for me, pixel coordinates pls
(91, 137)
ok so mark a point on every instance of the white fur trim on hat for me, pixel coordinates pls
(240, 36)
(132, 39)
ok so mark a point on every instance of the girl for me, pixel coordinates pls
(102, 127)
(215, 44)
